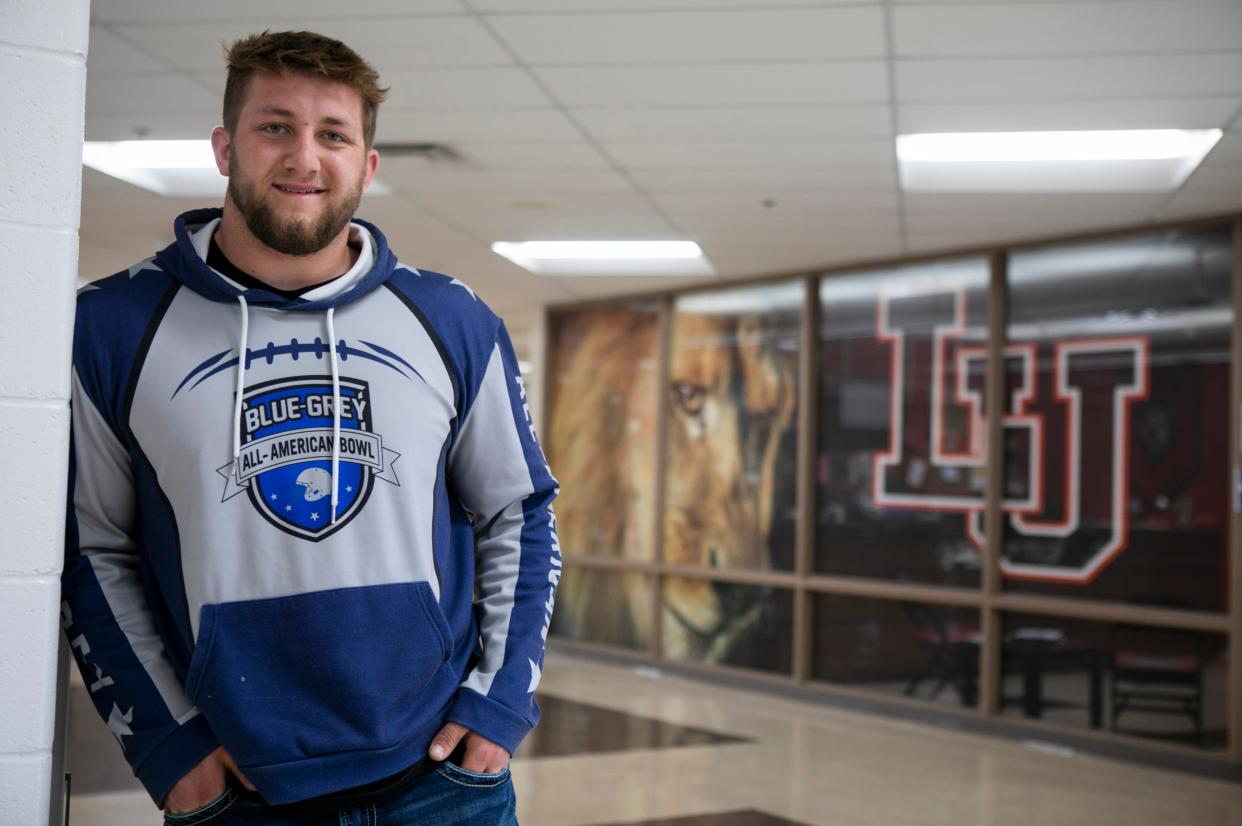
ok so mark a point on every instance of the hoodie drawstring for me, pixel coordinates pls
(336, 410)
(241, 376)
(242, 352)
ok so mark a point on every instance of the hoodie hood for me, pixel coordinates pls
(182, 260)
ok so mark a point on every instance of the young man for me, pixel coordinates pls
(311, 551)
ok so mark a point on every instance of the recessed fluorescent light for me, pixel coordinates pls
(1132, 160)
(174, 169)
(606, 257)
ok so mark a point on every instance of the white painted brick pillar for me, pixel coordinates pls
(42, 92)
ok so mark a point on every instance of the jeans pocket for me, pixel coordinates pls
(465, 777)
(203, 813)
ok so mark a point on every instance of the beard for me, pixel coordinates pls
(291, 236)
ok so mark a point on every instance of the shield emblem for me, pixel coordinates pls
(285, 464)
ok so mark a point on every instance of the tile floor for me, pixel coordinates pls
(626, 747)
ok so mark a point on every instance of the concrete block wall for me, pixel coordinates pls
(43, 63)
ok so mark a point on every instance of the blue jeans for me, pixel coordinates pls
(448, 796)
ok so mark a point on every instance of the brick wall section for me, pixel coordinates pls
(43, 62)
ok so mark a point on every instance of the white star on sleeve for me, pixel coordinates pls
(118, 723)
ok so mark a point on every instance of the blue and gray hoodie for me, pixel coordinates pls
(309, 530)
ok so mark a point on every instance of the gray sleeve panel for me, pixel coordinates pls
(105, 507)
(487, 460)
(489, 468)
(104, 501)
(497, 557)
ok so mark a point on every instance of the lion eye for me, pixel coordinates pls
(689, 397)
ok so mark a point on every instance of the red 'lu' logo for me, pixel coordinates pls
(1049, 535)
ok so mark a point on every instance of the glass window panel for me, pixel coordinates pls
(601, 440)
(606, 607)
(725, 623)
(1119, 375)
(1162, 684)
(902, 444)
(913, 649)
(732, 425)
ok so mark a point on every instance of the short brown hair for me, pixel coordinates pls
(300, 53)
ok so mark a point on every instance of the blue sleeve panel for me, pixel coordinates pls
(462, 327)
(107, 576)
(506, 487)
(504, 709)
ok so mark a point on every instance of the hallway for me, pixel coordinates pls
(629, 747)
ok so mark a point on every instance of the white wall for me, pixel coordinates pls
(43, 66)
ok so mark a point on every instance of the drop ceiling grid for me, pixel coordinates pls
(746, 36)
(388, 43)
(136, 12)
(1087, 29)
(711, 110)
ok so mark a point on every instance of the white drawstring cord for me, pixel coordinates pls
(336, 411)
(241, 374)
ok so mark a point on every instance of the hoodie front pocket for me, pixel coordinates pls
(312, 674)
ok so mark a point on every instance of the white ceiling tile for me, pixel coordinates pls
(784, 227)
(111, 207)
(1185, 113)
(751, 154)
(533, 156)
(1055, 79)
(970, 237)
(109, 55)
(160, 94)
(190, 125)
(774, 124)
(642, 5)
(752, 259)
(427, 241)
(996, 232)
(543, 203)
(1215, 177)
(486, 126)
(303, 11)
(500, 284)
(1227, 150)
(1093, 28)
(983, 236)
(463, 89)
(722, 85)
(413, 227)
(786, 35)
(775, 180)
(1191, 204)
(977, 205)
(747, 202)
(388, 44)
(974, 2)
(535, 186)
(531, 225)
(1021, 216)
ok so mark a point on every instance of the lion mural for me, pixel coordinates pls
(730, 403)
(601, 446)
(732, 399)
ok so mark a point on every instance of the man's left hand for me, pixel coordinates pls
(482, 755)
